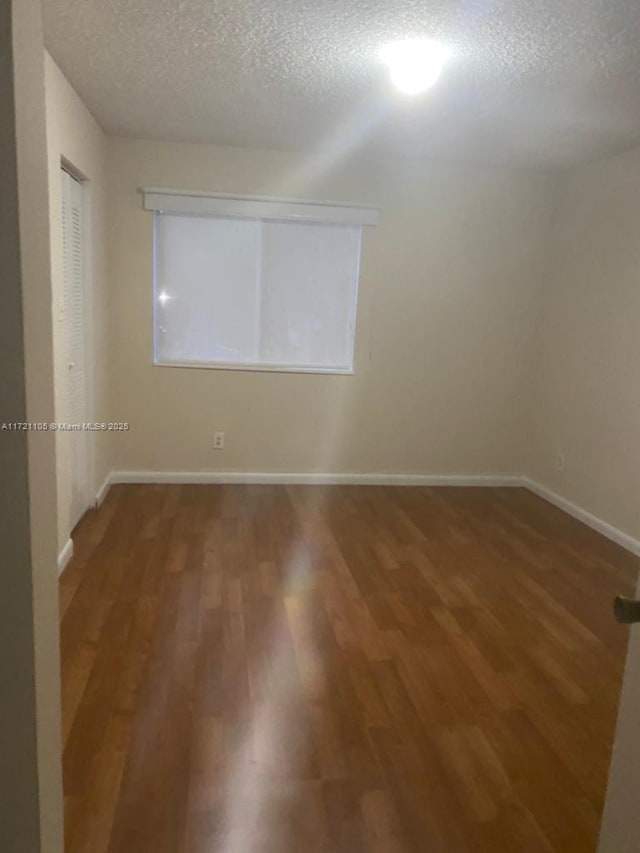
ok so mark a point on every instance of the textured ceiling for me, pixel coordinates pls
(533, 82)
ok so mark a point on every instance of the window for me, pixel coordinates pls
(255, 283)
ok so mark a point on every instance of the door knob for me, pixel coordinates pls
(626, 610)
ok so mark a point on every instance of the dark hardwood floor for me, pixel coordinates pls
(271, 669)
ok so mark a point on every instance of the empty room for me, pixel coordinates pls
(320, 426)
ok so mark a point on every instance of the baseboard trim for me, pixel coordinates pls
(377, 479)
(618, 536)
(319, 479)
(102, 491)
(65, 555)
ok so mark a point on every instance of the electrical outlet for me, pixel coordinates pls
(218, 440)
(560, 461)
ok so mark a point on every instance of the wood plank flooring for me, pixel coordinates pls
(272, 669)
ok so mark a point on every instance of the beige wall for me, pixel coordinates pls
(444, 323)
(30, 743)
(587, 382)
(74, 135)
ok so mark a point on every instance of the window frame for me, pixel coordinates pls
(202, 205)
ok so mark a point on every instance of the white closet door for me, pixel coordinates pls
(75, 388)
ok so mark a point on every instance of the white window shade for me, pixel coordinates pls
(309, 294)
(259, 293)
(207, 278)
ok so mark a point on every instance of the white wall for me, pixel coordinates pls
(30, 741)
(587, 380)
(445, 322)
(73, 134)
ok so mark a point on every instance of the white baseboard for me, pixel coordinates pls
(377, 479)
(65, 555)
(608, 530)
(102, 491)
(319, 479)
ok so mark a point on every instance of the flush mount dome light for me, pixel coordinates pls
(414, 64)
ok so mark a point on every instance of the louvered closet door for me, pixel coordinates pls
(74, 442)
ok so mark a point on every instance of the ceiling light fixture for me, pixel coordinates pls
(414, 64)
